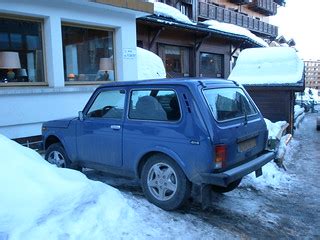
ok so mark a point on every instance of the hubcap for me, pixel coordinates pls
(57, 159)
(162, 181)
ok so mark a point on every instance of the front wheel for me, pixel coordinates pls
(55, 154)
(228, 188)
(164, 183)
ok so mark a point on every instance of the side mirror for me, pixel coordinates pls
(80, 115)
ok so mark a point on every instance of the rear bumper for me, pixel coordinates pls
(229, 176)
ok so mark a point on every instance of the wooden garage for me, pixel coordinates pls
(271, 76)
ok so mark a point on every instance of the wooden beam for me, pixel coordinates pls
(239, 46)
(155, 37)
(199, 43)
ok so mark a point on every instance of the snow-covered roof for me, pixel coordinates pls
(150, 65)
(164, 10)
(231, 28)
(263, 66)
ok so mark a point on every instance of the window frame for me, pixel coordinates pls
(163, 45)
(222, 63)
(45, 80)
(148, 120)
(79, 25)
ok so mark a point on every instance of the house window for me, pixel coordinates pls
(211, 65)
(21, 51)
(186, 9)
(176, 60)
(88, 54)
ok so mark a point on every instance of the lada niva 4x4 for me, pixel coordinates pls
(170, 134)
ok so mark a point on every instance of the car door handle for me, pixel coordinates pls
(115, 127)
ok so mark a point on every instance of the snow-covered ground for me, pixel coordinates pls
(40, 201)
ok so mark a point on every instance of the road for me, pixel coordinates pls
(288, 211)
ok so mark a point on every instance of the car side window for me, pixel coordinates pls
(155, 104)
(108, 104)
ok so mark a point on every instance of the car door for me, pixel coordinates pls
(99, 134)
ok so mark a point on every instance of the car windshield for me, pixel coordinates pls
(228, 103)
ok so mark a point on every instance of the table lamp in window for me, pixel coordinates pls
(10, 61)
(105, 68)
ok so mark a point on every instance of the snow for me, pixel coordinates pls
(273, 177)
(273, 65)
(39, 200)
(231, 28)
(309, 94)
(274, 128)
(164, 10)
(150, 65)
(298, 110)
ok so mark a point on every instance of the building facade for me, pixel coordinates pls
(312, 73)
(197, 51)
(53, 54)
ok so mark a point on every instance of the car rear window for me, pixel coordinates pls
(228, 103)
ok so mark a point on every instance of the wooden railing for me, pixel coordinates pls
(210, 11)
(267, 7)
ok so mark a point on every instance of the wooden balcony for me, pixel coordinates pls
(210, 11)
(266, 7)
(241, 2)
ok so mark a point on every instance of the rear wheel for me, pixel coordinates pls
(228, 188)
(164, 183)
(55, 154)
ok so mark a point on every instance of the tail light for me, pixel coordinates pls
(221, 155)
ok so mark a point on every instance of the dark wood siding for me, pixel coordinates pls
(275, 105)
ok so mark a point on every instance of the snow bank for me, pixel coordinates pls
(150, 65)
(298, 110)
(274, 128)
(231, 28)
(273, 177)
(273, 65)
(162, 9)
(39, 200)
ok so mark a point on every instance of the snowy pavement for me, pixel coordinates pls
(40, 201)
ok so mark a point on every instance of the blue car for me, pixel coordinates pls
(170, 134)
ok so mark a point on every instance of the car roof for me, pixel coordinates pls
(171, 81)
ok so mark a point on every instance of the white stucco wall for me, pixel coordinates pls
(23, 109)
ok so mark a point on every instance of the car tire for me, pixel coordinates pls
(228, 188)
(55, 154)
(164, 183)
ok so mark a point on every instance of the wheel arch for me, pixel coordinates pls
(51, 139)
(160, 151)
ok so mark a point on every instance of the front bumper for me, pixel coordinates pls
(225, 178)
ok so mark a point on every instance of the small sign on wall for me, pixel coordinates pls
(129, 53)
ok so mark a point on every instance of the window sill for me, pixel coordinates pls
(81, 83)
(45, 90)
